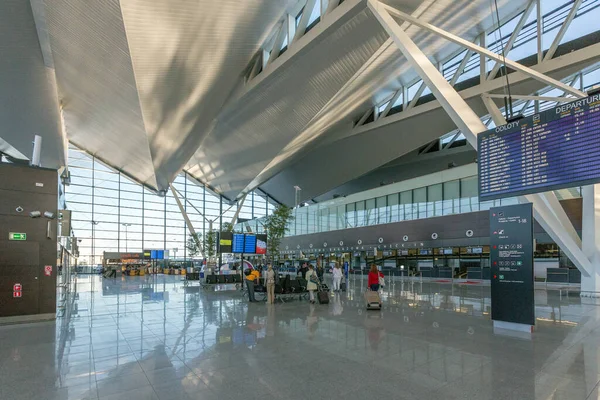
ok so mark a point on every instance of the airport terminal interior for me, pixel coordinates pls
(299, 199)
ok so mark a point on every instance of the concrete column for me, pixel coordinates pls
(590, 286)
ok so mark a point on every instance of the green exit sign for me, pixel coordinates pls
(17, 236)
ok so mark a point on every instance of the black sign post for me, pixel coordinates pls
(511, 253)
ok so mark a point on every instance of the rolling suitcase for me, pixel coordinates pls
(373, 300)
(343, 286)
(323, 297)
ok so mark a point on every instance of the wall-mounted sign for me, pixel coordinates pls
(17, 236)
(48, 270)
(17, 290)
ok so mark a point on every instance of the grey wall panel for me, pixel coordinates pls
(28, 98)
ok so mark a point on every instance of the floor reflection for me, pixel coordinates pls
(154, 338)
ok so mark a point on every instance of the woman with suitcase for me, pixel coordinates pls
(374, 278)
(312, 280)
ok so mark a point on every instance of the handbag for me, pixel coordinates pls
(381, 281)
(313, 279)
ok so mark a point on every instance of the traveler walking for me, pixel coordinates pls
(374, 275)
(270, 284)
(337, 277)
(312, 281)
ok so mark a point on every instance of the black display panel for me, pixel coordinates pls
(511, 256)
(225, 242)
(555, 149)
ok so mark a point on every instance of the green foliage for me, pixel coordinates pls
(275, 225)
(194, 245)
(227, 227)
(210, 244)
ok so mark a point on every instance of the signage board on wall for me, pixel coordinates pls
(511, 256)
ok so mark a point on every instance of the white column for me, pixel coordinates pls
(590, 286)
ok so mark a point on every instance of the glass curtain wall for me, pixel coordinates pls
(452, 197)
(113, 213)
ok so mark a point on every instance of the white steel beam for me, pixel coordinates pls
(394, 98)
(461, 114)
(563, 30)
(451, 142)
(417, 96)
(281, 35)
(185, 216)
(331, 6)
(461, 67)
(374, 4)
(513, 38)
(539, 31)
(303, 23)
(362, 119)
(469, 123)
(482, 60)
(237, 212)
(533, 98)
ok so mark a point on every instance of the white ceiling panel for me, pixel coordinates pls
(188, 56)
(262, 122)
(97, 86)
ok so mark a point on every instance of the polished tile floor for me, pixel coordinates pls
(152, 338)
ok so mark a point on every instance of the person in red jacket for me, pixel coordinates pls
(374, 276)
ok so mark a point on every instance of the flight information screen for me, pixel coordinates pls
(555, 149)
(250, 244)
(237, 245)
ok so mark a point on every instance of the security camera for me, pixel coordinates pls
(49, 214)
(35, 214)
(19, 209)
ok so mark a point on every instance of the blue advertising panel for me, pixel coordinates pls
(551, 150)
(153, 254)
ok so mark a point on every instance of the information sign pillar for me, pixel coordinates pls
(590, 243)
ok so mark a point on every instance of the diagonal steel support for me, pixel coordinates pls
(513, 38)
(417, 96)
(185, 216)
(563, 29)
(461, 67)
(471, 125)
(237, 212)
(381, 9)
(281, 35)
(393, 100)
(301, 28)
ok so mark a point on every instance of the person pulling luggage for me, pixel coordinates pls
(374, 278)
(312, 283)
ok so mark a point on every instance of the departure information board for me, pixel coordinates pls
(250, 244)
(555, 149)
(237, 243)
